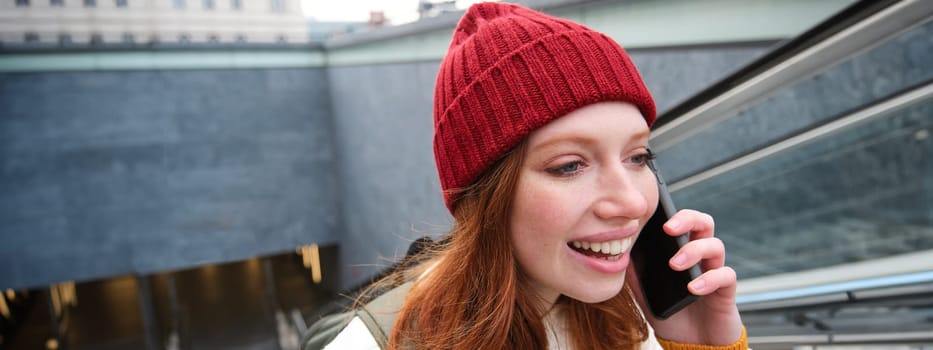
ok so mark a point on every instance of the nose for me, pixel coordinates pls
(620, 193)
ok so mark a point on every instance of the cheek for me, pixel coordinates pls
(536, 231)
(537, 221)
(539, 211)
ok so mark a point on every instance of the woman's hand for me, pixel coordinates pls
(714, 318)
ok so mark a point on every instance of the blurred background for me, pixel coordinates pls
(217, 174)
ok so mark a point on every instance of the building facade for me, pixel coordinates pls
(135, 22)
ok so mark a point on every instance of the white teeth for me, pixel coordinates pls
(613, 248)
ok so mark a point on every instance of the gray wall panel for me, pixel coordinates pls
(391, 194)
(107, 173)
(675, 74)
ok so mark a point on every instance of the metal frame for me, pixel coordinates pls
(867, 279)
(883, 108)
(823, 339)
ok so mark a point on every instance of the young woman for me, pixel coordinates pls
(541, 144)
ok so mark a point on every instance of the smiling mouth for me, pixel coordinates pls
(607, 250)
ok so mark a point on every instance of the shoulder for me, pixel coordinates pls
(339, 331)
(354, 336)
(366, 327)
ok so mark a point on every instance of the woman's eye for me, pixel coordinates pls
(566, 169)
(641, 159)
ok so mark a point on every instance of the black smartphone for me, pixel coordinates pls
(664, 289)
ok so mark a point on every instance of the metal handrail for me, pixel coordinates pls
(884, 277)
(877, 109)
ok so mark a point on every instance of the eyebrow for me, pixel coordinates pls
(584, 140)
(573, 139)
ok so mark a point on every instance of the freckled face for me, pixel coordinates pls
(583, 194)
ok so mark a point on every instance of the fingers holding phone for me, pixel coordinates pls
(685, 284)
(703, 249)
(697, 224)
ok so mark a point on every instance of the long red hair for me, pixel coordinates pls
(475, 296)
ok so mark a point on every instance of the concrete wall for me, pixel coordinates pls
(108, 173)
(389, 189)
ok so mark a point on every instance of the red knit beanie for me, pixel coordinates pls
(509, 71)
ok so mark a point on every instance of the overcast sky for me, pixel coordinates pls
(398, 11)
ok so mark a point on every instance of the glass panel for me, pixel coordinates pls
(894, 65)
(860, 194)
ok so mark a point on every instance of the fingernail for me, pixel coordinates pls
(698, 285)
(673, 225)
(679, 260)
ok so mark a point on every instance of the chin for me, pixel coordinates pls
(592, 294)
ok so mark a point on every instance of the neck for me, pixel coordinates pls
(544, 298)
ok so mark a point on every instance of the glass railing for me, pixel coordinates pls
(831, 167)
(856, 195)
(817, 163)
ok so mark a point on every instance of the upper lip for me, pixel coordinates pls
(610, 235)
